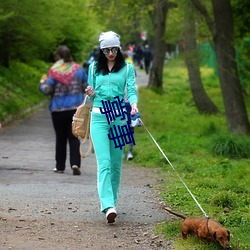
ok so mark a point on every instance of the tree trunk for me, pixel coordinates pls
(235, 109)
(223, 38)
(201, 99)
(159, 47)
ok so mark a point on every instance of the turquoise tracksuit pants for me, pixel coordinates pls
(109, 159)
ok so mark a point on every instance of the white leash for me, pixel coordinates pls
(174, 170)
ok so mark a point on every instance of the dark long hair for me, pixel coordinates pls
(102, 67)
(64, 53)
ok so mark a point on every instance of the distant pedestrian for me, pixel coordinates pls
(65, 84)
(147, 54)
(93, 56)
(138, 52)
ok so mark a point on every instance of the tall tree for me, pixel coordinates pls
(223, 38)
(201, 99)
(159, 44)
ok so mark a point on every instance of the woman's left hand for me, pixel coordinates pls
(134, 109)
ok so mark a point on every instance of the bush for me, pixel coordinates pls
(19, 88)
(231, 146)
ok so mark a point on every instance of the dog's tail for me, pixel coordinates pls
(175, 213)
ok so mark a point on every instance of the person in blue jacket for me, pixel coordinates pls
(65, 83)
(108, 77)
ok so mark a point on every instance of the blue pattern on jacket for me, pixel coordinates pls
(65, 97)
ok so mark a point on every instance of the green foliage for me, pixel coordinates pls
(231, 146)
(128, 18)
(175, 28)
(219, 183)
(29, 33)
(19, 87)
(243, 59)
(241, 17)
(175, 25)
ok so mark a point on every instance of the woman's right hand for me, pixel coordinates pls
(90, 91)
(43, 79)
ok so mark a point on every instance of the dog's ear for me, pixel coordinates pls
(228, 237)
(214, 235)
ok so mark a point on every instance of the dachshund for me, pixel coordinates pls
(204, 229)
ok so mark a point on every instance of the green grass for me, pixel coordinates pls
(19, 88)
(214, 164)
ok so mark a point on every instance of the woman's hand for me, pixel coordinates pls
(134, 109)
(43, 79)
(90, 91)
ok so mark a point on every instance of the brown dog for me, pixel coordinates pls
(204, 229)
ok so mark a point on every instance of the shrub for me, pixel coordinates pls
(231, 146)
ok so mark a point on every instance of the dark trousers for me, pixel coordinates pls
(147, 65)
(62, 122)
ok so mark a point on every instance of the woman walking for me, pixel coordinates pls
(109, 78)
(65, 84)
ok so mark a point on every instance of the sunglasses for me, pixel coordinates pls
(106, 51)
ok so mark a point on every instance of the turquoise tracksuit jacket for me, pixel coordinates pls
(107, 87)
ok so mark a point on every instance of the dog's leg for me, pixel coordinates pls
(184, 235)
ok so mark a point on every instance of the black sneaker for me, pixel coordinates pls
(76, 170)
(58, 171)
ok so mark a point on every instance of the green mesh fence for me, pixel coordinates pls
(208, 58)
(207, 55)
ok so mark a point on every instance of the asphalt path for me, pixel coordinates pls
(31, 190)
